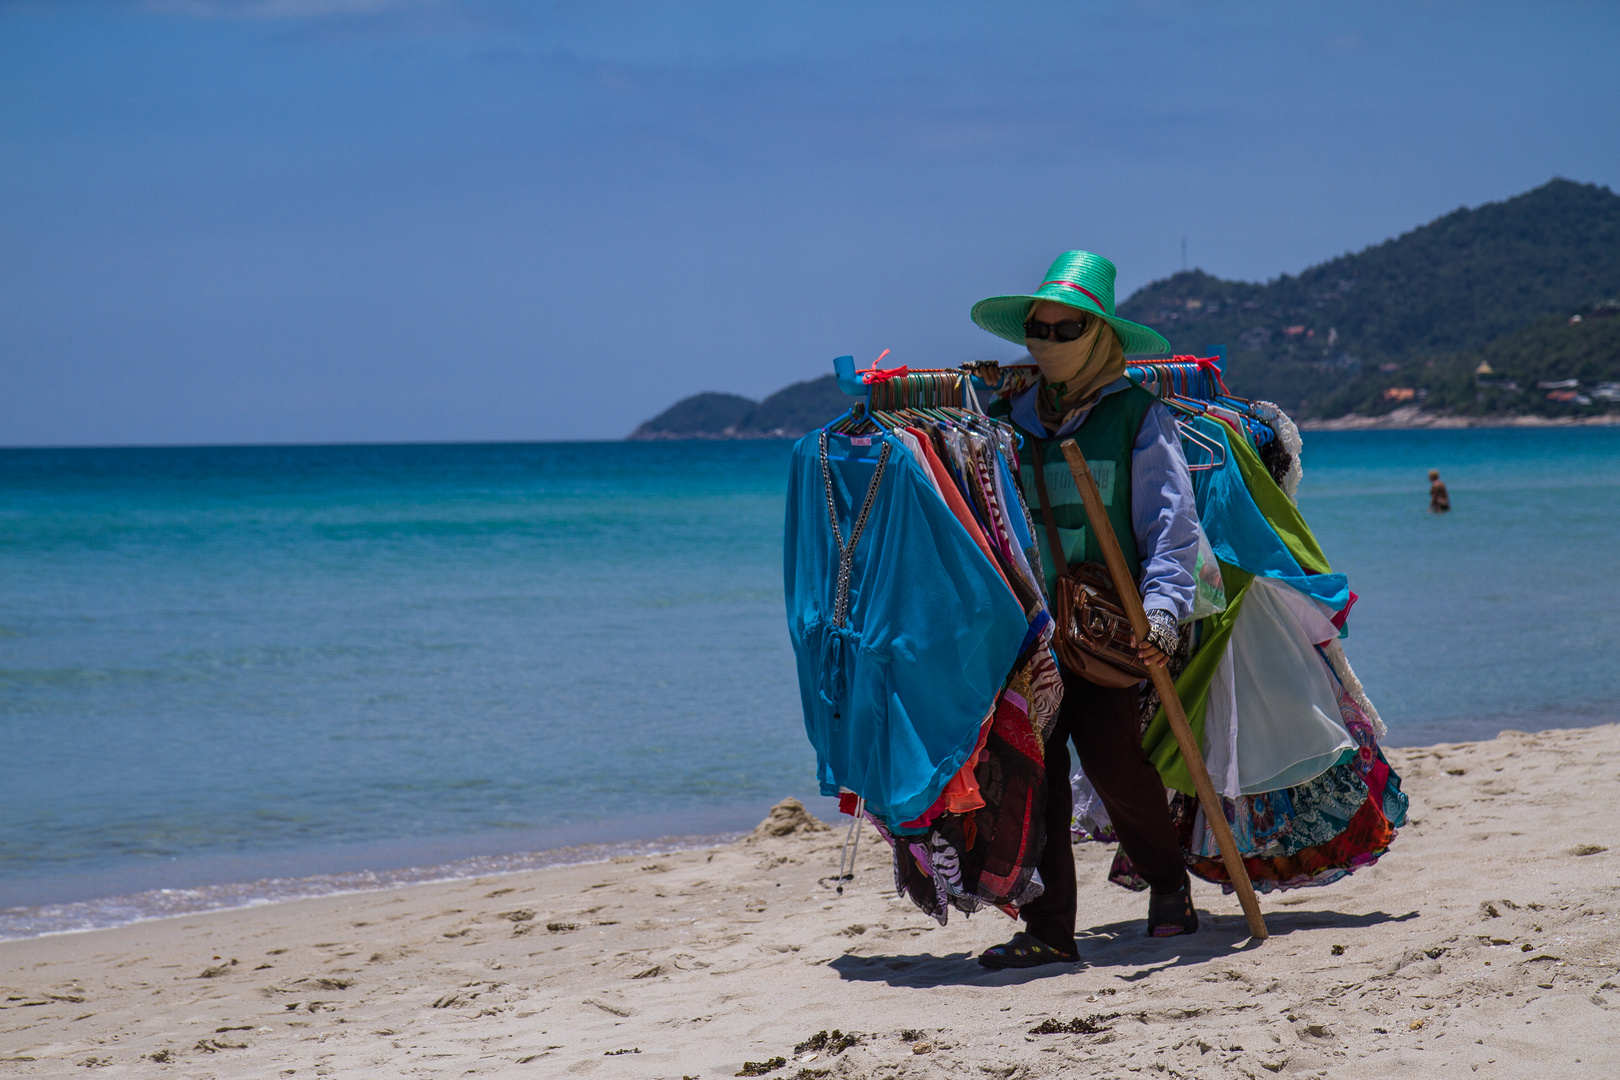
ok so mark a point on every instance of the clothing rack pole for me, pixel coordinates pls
(852, 840)
(1214, 814)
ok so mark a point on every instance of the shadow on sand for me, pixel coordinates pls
(1114, 945)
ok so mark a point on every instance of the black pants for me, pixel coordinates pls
(1103, 724)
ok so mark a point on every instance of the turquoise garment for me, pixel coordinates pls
(893, 700)
(1239, 532)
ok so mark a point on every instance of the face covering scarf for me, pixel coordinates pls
(1073, 371)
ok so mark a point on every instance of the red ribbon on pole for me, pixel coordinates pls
(1208, 365)
(875, 374)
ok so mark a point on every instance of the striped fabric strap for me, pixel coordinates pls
(1079, 289)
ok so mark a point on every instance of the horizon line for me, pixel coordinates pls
(311, 445)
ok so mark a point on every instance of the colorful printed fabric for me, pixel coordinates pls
(1309, 835)
(1362, 844)
(989, 856)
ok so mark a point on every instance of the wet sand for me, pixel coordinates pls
(1486, 944)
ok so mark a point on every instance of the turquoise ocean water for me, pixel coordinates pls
(232, 674)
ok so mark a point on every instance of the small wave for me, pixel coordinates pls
(81, 915)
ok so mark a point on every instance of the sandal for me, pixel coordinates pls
(1172, 914)
(1024, 951)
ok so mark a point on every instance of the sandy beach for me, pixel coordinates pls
(1411, 417)
(1487, 943)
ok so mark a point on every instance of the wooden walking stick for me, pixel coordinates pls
(1190, 750)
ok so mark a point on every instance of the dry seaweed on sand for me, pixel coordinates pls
(1089, 1025)
(834, 1042)
(760, 1068)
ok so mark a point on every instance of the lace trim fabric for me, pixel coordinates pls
(846, 550)
(1287, 434)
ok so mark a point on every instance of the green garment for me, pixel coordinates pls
(1193, 685)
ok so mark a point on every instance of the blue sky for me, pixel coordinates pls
(404, 220)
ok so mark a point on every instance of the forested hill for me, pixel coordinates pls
(1508, 309)
(1446, 288)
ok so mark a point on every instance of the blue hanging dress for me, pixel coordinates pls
(904, 632)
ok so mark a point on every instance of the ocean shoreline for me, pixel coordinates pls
(1411, 418)
(22, 923)
(195, 896)
(1499, 963)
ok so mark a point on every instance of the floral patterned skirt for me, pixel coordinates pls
(1313, 834)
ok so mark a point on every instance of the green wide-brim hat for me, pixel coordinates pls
(1081, 280)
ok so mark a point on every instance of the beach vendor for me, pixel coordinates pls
(1134, 450)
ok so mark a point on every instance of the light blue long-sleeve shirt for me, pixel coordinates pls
(1164, 508)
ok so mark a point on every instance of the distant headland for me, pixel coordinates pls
(786, 414)
(1508, 313)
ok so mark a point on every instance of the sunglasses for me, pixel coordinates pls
(1066, 330)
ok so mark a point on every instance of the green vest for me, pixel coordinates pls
(1106, 438)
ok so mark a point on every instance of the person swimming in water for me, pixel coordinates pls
(1439, 500)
